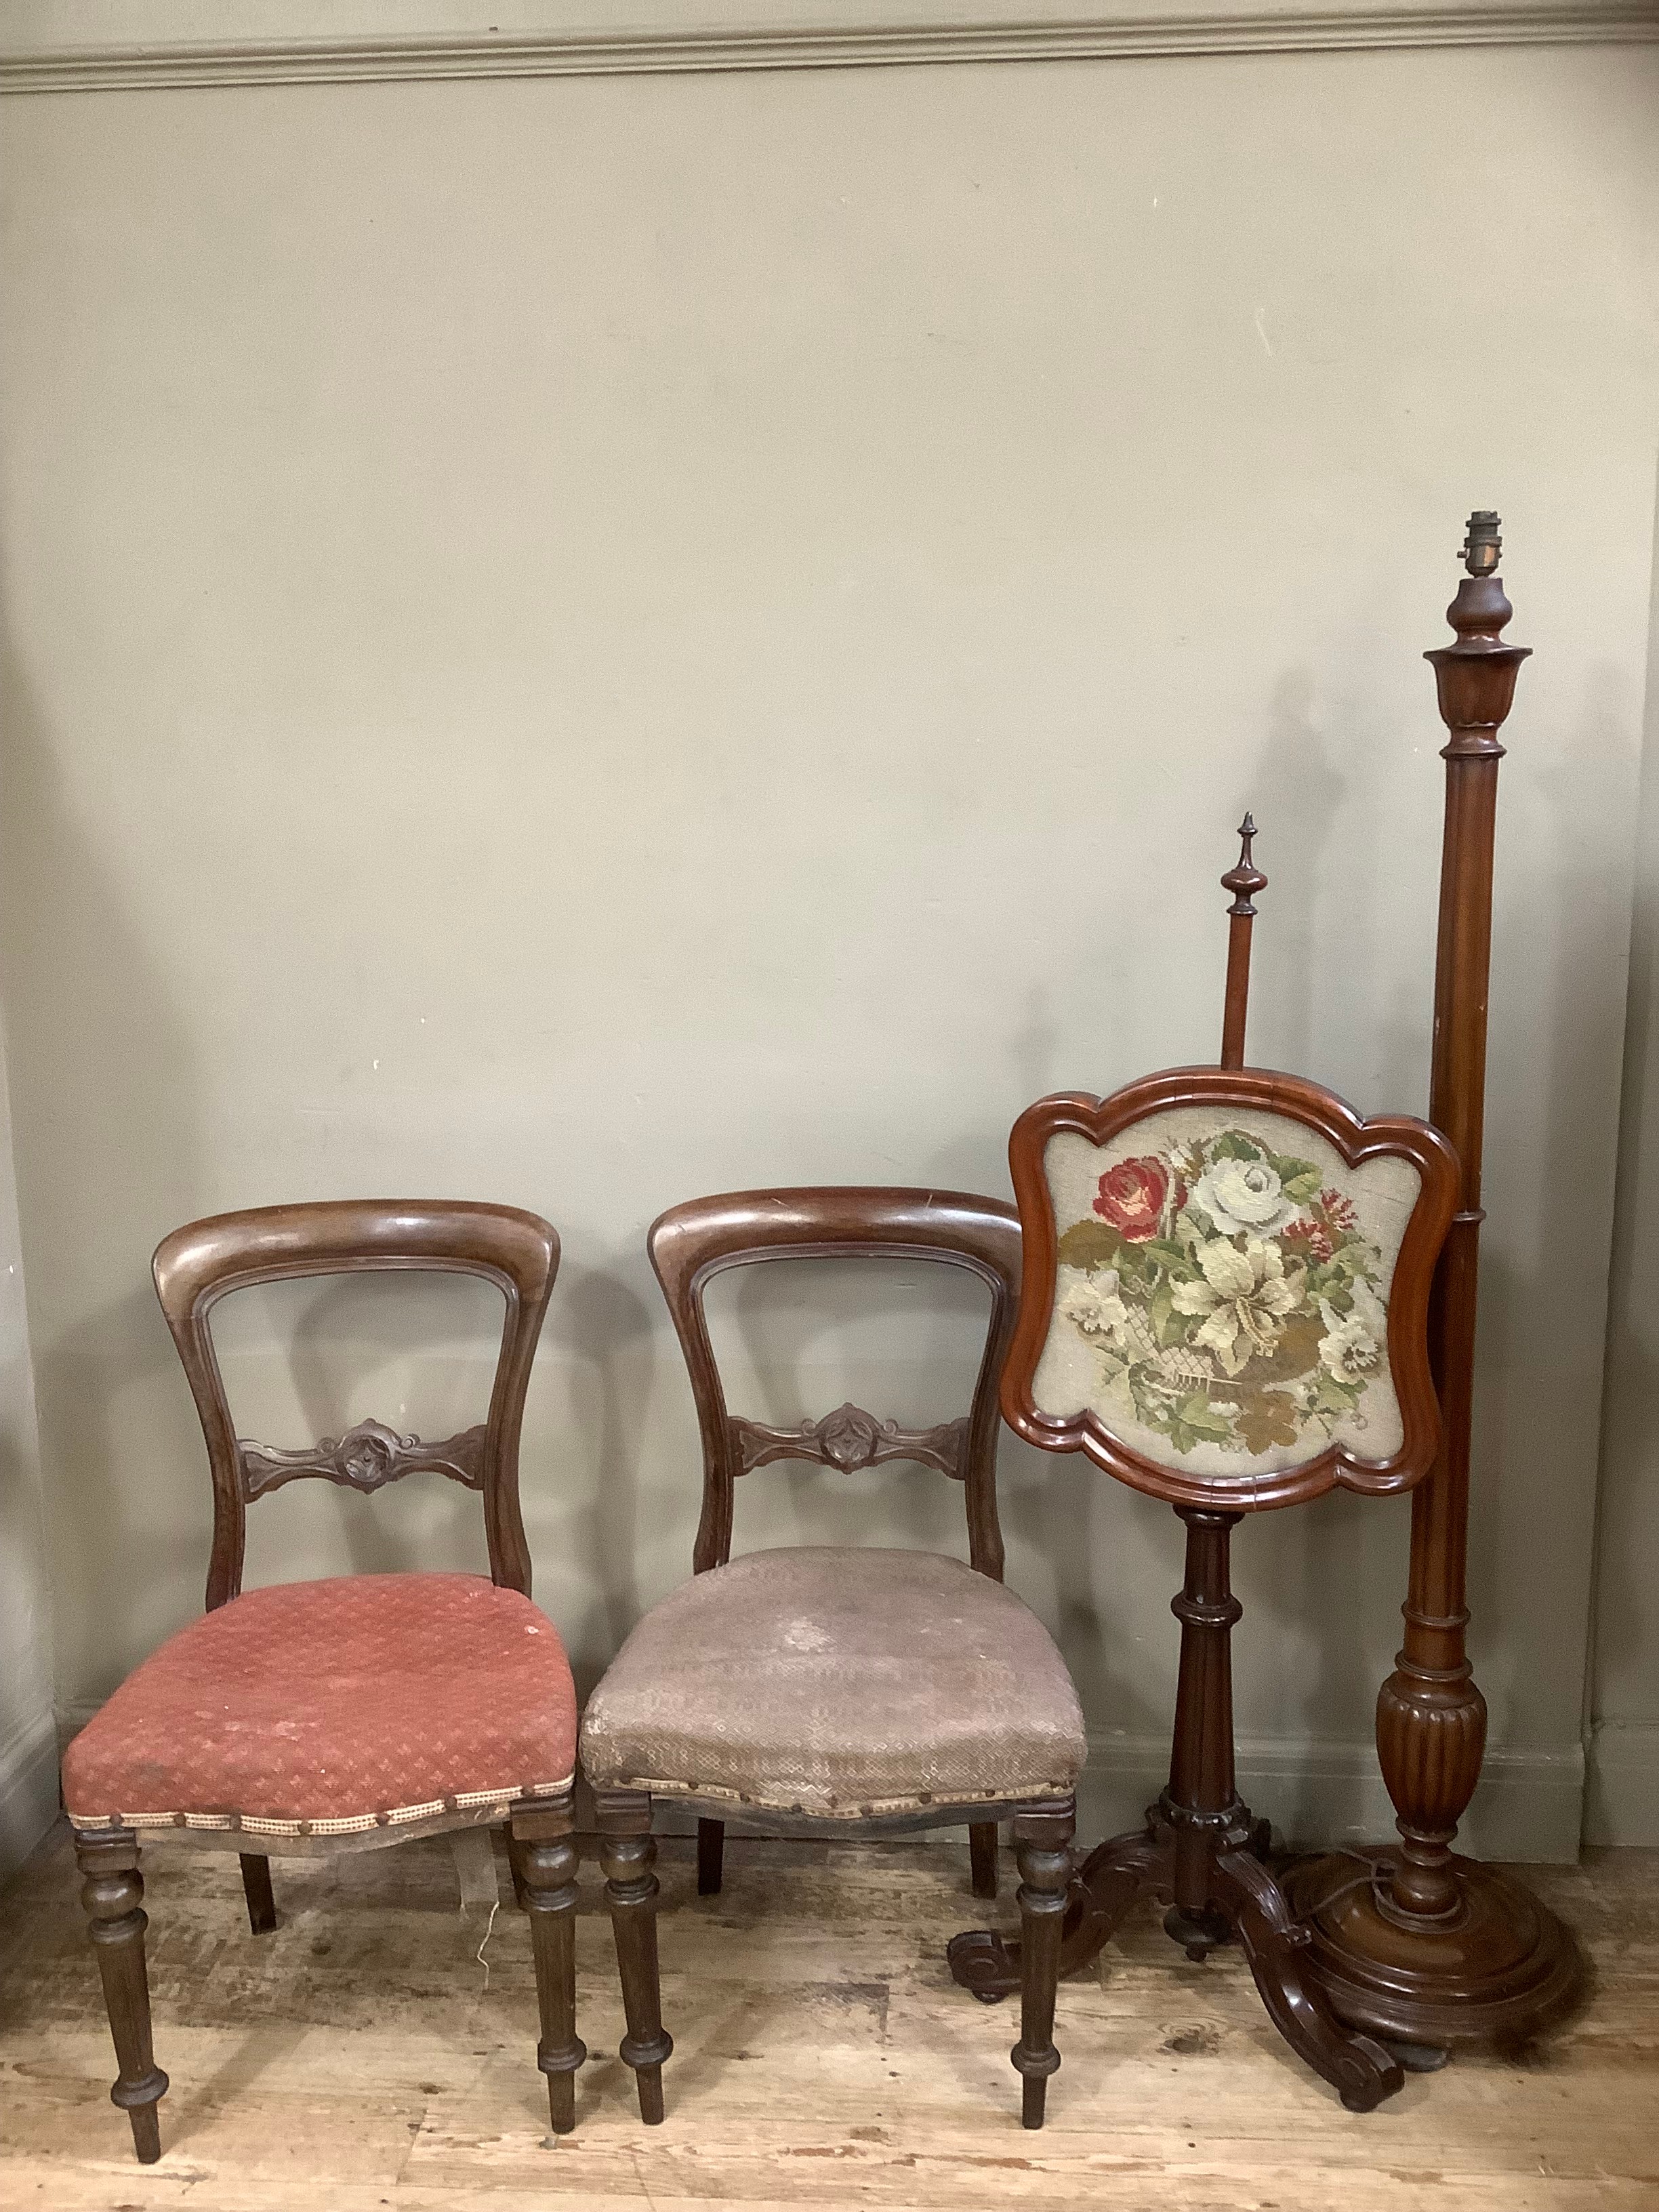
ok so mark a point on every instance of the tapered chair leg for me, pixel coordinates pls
(256, 1887)
(1042, 1843)
(547, 1860)
(982, 1857)
(711, 1857)
(629, 1853)
(112, 1892)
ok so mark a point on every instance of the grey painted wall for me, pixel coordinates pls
(28, 1735)
(1622, 1804)
(585, 641)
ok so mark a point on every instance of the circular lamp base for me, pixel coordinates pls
(1502, 1969)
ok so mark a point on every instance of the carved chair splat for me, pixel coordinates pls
(836, 1692)
(408, 1704)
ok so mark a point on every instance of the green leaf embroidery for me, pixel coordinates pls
(1175, 1257)
(1089, 1245)
(1234, 1145)
(1197, 1412)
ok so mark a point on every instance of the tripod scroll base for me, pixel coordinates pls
(1497, 1974)
(1241, 1899)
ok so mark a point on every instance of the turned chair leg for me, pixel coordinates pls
(547, 1860)
(627, 1852)
(982, 1857)
(1042, 1843)
(112, 1892)
(711, 1857)
(256, 1887)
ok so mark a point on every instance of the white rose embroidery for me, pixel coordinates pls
(1243, 1197)
(1095, 1307)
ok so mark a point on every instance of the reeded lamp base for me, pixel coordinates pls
(1499, 1973)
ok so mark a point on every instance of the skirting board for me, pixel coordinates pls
(1529, 1807)
(1621, 1792)
(28, 1789)
(88, 45)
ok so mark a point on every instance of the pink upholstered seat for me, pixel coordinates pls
(330, 1708)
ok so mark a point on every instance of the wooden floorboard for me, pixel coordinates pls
(355, 2061)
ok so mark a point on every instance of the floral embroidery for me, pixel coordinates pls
(1132, 1196)
(1230, 1296)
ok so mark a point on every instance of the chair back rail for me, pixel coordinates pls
(204, 1261)
(692, 1243)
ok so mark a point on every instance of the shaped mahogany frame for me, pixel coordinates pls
(1246, 1090)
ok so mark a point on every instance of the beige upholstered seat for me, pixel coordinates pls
(840, 1684)
(842, 1692)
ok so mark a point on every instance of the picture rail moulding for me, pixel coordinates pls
(89, 45)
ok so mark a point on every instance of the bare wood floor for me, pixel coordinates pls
(355, 2062)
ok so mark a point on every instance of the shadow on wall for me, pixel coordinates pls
(1574, 1214)
(103, 1087)
(1624, 1684)
(1297, 793)
(1312, 1579)
(604, 1336)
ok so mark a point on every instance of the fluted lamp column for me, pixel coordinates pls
(1415, 1942)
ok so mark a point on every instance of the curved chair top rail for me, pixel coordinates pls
(691, 1244)
(200, 1263)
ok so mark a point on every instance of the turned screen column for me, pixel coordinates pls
(1430, 1716)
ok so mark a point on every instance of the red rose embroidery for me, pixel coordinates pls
(1131, 1197)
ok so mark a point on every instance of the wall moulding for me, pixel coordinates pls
(88, 45)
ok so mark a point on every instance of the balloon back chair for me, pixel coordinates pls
(837, 1690)
(346, 1714)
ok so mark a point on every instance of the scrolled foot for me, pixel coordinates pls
(1370, 2075)
(1276, 1944)
(984, 1963)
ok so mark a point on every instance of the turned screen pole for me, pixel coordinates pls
(1425, 1945)
(1241, 881)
